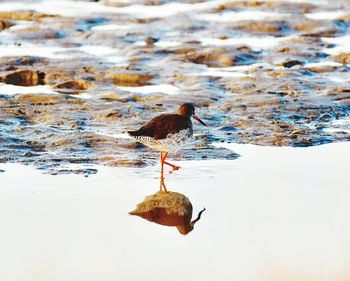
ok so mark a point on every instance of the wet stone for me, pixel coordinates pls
(129, 78)
(265, 27)
(5, 24)
(127, 163)
(15, 62)
(291, 63)
(74, 85)
(24, 78)
(343, 58)
(221, 57)
(23, 15)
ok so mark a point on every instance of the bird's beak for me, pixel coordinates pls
(199, 120)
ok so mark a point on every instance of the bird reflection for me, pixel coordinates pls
(168, 208)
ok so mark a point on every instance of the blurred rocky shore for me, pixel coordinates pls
(74, 77)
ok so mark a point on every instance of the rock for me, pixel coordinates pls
(261, 26)
(345, 18)
(222, 57)
(343, 58)
(110, 3)
(276, 5)
(37, 100)
(36, 33)
(127, 163)
(25, 15)
(291, 63)
(21, 61)
(151, 40)
(303, 24)
(328, 32)
(214, 59)
(324, 68)
(129, 78)
(152, 2)
(5, 24)
(74, 85)
(234, 5)
(25, 78)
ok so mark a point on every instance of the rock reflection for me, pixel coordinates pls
(169, 209)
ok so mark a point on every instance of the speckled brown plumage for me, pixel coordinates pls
(163, 125)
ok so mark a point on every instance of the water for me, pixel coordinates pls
(76, 73)
(272, 214)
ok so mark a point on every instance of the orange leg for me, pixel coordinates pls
(172, 165)
(167, 163)
(162, 185)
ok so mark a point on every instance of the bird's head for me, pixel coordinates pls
(186, 228)
(187, 109)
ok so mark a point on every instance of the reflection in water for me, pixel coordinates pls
(168, 208)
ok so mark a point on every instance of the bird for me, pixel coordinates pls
(168, 133)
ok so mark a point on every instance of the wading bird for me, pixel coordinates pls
(168, 133)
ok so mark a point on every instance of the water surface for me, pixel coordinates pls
(75, 75)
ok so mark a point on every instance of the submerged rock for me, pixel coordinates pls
(24, 78)
(343, 58)
(129, 78)
(24, 15)
(5, 24)
(73, 86)
(221, 57)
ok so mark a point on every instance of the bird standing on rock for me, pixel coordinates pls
(168, 133)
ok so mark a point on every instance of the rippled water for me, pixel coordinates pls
(75, 75)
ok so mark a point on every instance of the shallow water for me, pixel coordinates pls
(278, 214)
(75, 74)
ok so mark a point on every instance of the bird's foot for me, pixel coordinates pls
(172, 165)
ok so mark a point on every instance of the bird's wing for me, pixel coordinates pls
(162, 125)
(170, 124)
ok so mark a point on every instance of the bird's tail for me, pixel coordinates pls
(133, 133)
